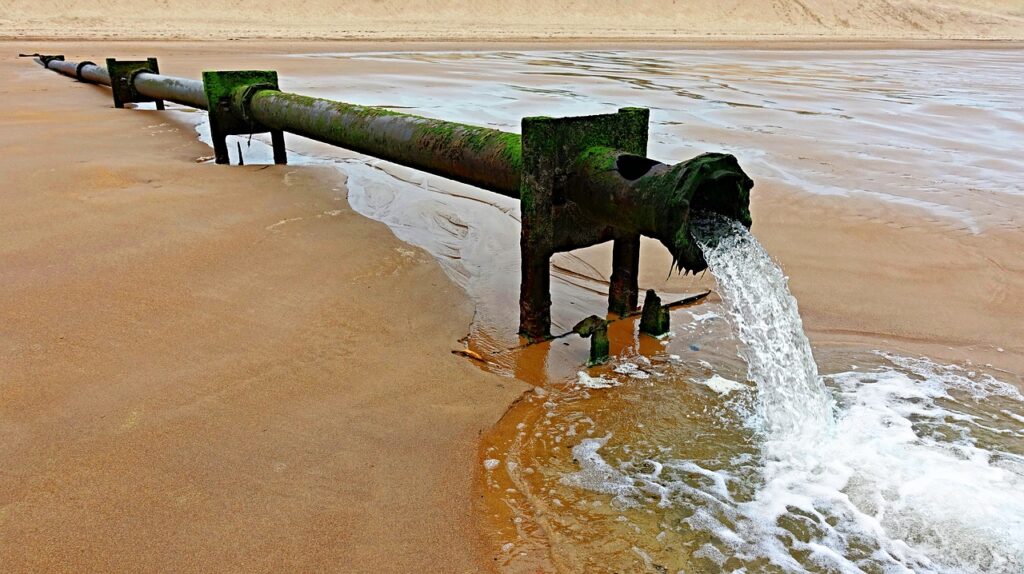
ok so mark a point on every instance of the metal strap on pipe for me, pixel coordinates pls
(88, 72)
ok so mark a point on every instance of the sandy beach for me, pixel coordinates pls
(530, 19)
(211, 368)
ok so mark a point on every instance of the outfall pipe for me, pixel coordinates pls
(657, 200)
(628, 192)
(170, 88)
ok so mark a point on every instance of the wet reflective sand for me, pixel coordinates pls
(887, 182)
(888, 187)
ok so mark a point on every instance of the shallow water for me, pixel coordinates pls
(923, 472)
(937, 133)
(661, 460)
(897, 117)
(683, 462)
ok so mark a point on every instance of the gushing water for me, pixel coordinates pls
(792, 399)
(897, 465)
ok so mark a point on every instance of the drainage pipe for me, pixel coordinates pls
(172, 89)
(625, 191)
(84, 71)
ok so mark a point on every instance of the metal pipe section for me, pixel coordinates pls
(172, 89)
(95, 74)
(90, 72)
(483, 157)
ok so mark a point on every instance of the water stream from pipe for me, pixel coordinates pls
(667, 464)
(792, 399)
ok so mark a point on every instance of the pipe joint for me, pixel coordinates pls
(78, 70)
(123, 74)
(46, 59)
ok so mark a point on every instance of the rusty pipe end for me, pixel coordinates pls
(711, 182)
(636, 194)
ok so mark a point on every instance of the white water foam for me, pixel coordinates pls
(907, 482)
(877, 477)
(598, 382)
(909, 467)
(722, 385)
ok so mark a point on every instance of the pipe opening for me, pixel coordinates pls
(724, 195)
(634, 167)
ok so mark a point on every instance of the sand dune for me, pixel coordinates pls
(693, 19)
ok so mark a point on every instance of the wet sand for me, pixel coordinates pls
(209, 368)
(139, 349)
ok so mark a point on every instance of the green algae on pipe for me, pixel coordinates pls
(483, 157)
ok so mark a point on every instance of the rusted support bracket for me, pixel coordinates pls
(551, 223)
(122, 80)
(623, 286)
(597, 329)
(655, 318)
(229, 96)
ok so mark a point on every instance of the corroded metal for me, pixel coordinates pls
(122, 75)
(553, 223)
(638, 194)
(655, 317)
(596, 329)
(229, 95)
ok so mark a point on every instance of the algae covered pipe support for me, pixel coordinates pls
(580, 180)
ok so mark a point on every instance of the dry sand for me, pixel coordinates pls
(445, 19)
(206, 368)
